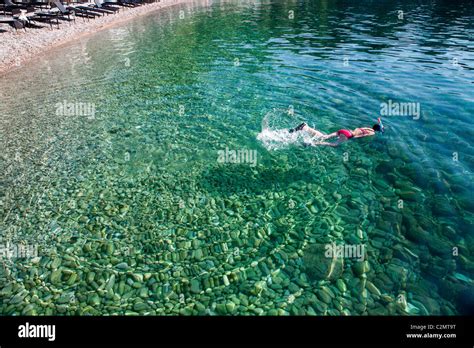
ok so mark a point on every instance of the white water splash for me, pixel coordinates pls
(275, 134)
(277, 139)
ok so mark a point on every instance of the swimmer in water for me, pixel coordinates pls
(342, 134)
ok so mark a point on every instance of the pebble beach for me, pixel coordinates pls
(19, 46)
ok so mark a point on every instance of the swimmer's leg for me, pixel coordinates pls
(308, 129)
(318, 134)
(298, 128)
(314, 132)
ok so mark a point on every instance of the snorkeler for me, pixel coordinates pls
(342, 134)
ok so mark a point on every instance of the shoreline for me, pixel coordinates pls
(19, 47)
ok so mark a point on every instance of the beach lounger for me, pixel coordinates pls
(47, 17)
(33, 18)
(61, 12)
(97, 7)
(134, 2)
(29, 18)
(20, 15)
(40, 4)
(8, 6)
(12, 4)
(14, 23)
(99, 4)
(83, 10)
(92, 8)
(124, 3)
(64, 11)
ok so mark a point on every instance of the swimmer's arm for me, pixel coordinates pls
(334, 144)
(368, 132)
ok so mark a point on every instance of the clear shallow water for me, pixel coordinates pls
(132, 211)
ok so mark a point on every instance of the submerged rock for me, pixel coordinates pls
(318, 266)
(384, 167)
(441, 206)
(195, 286)
(360, 267)
(404, 254)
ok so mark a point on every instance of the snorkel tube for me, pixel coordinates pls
(381, 125)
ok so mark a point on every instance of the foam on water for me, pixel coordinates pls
(275, 134)
(277, 139)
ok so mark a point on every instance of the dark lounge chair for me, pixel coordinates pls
(134, 2)
(18, 15)
(39, 4)
(63, 12)
(82, 10)
(97, 7)
(14, 23)
(98, 4)
(94, 9)
(33, 18)
(8, 6)
(124, 3)
(47, 17)
(55, 14)
(29, 18)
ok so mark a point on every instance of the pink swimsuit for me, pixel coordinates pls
(345, 132)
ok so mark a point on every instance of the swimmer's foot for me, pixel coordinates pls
(300, 127)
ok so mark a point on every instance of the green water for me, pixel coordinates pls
(130, 211)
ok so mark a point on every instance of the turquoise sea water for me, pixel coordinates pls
(129, 209)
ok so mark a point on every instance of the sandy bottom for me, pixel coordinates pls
(17, 47)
